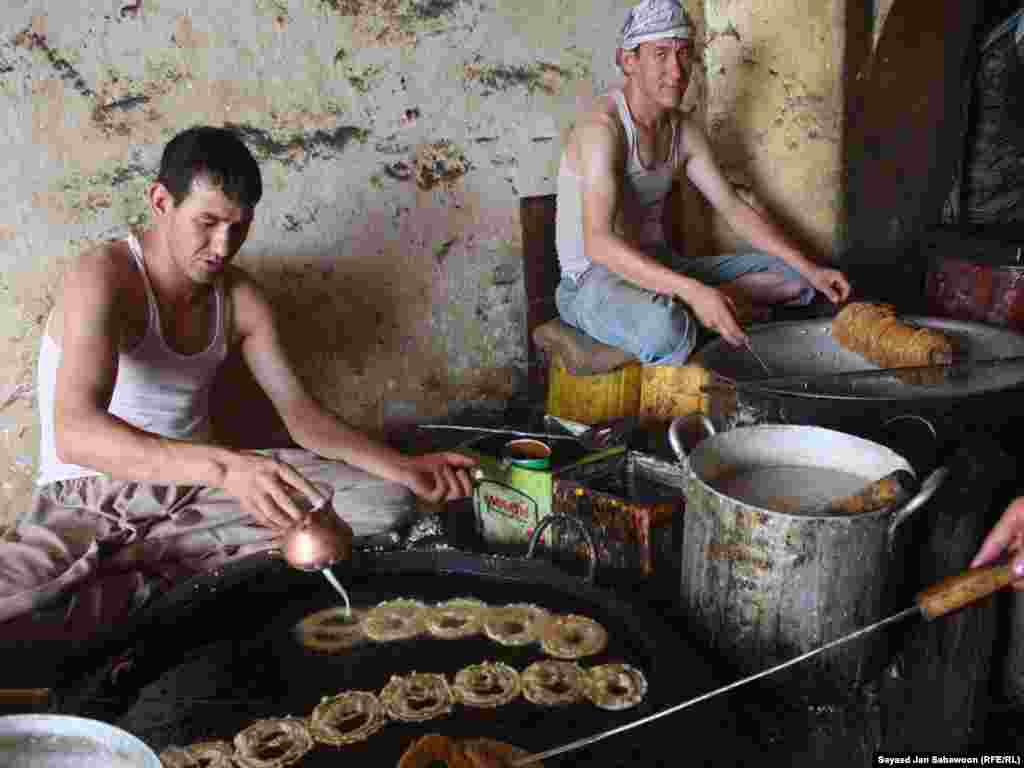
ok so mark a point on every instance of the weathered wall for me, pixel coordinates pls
(392, 135)
(395, 137)
(775, 109)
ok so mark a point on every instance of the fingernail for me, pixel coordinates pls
(1018, 569)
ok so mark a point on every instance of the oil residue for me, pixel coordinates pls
(789, 489)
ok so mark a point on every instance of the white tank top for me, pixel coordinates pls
(643, 198)
(157, 389)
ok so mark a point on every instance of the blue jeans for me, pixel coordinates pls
(656, 328)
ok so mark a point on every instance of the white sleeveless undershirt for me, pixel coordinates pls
(157, 389)
(643, 198)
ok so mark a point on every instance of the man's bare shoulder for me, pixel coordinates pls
(250, 307)
(598, 138)
(107, 260)
(601, 119)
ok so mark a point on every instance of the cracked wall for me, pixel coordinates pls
(391, 134)
(395, 138)
(775, 103)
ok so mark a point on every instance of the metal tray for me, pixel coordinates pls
(806, 348)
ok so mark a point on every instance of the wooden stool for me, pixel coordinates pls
(588, 381)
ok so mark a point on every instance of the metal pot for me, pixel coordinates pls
(763, 585)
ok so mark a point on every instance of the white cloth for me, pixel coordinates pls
(655, 20)
(157, 389)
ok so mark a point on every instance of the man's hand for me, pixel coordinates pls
(263, 486)
(1008, 535)
(440, 476)
(716, 312)
(830, 282)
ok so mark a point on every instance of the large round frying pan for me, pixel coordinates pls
(218, 653)
(806, 348)
(977, 396)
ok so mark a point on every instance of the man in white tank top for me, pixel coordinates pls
(130, 484)
(621, 282)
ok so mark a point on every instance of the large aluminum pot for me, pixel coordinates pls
(762, 585)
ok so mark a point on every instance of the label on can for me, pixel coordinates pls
(505, 514)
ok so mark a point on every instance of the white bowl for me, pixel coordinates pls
(64, 741)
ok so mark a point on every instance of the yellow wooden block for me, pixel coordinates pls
(669, 391)
(594, 399)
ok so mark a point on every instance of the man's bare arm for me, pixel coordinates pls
(87, 434)
(757, 229)
(601, 162)
(434, 476)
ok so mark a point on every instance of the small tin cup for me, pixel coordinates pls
(528, 453)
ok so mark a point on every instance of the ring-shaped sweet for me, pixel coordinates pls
(331, 630)
(349, 717)
(573, 637)
(417, 697)
(552, 683)
(487, 685)
(515, 624)
(615, 686)
(452, 619)
(400, 619)
(272, 743)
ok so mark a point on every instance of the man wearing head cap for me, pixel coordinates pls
(621, 282)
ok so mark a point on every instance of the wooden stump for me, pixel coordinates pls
(593, 399)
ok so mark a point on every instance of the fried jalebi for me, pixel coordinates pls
(349, 717)
(331, 630)
(460, 617)
(515, 624)
(486, 685)
(400, 619)
(417, 696)
(573, 637)
(615, 686)
(499, 752)
(273, 743)
(204, 754)
(431, 751)
(552, 683)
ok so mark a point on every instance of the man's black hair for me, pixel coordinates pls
(217, 155)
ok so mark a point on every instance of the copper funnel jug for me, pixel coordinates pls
(322, 539)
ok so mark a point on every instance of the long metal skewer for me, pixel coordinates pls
(579, 743)
(543, 435)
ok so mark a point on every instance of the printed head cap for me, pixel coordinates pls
(655, 20)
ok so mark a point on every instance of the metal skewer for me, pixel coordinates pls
(750, 349)
(947, 596)
(542, 435)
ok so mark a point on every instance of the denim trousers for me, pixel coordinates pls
(657, 328)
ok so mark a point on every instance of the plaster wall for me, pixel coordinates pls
(395, 138)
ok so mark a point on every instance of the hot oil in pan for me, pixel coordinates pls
(260, 671)
(792, 490)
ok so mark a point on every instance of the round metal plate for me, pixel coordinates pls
(63, 741)
(806, 348)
